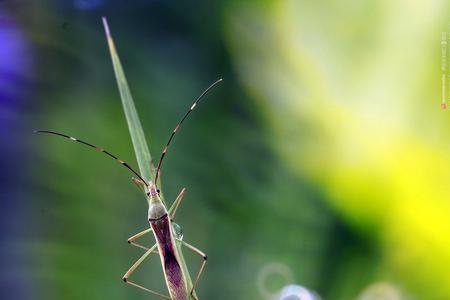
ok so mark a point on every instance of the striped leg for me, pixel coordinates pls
(134, 267)
(201, 267)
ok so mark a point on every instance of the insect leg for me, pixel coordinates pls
(137, 236)
(201, 267)
(176, 203)
(140, 185)
(134, 267)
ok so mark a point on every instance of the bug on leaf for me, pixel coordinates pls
(167, 233)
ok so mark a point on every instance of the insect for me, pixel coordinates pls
(166, 233)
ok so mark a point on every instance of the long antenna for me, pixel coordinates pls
(158, 169)
(96, 148)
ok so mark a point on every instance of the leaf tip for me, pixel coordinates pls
(105, 25)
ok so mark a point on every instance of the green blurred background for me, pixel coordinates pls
(324, 150)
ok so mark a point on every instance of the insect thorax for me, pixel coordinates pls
(156, 210)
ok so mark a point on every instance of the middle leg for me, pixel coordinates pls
(135, 266)
(131, 240)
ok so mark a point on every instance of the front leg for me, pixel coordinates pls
(176, 203)
(139, 183)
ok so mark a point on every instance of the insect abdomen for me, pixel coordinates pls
(174, 276)
(167, 250)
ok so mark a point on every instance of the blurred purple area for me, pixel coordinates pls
(15, 84)
(15, 70)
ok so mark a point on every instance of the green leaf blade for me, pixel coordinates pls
(146, 168)
(141, 150)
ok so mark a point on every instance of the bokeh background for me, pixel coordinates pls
(324, 152)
